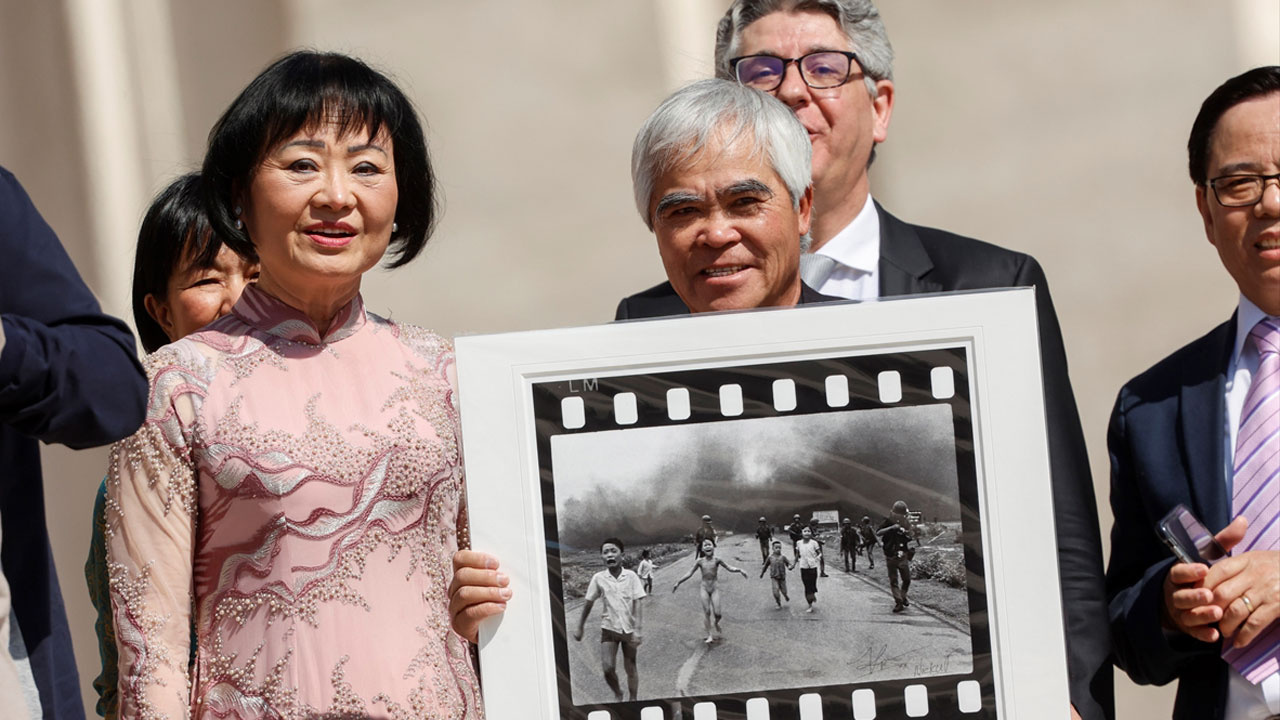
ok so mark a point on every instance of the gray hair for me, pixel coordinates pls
(859, 19)
(697, 113)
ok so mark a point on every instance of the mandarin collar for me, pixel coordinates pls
(272, 316)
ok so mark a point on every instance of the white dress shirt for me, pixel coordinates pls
(856, 250)
(1245, 701)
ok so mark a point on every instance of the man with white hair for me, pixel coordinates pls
(830, 61)
(721, 175)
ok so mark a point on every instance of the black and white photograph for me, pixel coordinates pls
(678, 529)
(769, 551)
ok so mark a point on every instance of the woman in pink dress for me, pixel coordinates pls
(297, 488)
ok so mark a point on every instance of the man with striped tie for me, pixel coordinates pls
(1202, 428)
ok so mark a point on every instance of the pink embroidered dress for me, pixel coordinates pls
(301, 497)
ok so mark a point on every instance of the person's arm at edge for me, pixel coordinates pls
(68, 373)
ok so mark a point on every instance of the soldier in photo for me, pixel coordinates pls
(794, 530)
(849, 542)
(705, 532)
(869, 542)
(896, 534)
(764, 533)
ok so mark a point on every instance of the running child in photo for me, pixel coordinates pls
(778, 564)
(620, 618)
(645, 571)
(810, 552)
(710, 566)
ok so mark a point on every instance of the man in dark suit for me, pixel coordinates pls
(69, 375)
(1181, 433)
(841, 89)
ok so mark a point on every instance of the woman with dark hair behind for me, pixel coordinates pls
(183, 279)
(297, 487)
(184, 275)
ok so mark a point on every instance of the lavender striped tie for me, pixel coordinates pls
(1256, 486)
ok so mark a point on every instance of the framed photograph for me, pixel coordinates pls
(828, 511)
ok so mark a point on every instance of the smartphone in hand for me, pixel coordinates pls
(1188, 538)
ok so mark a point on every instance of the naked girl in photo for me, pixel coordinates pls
(710, 566)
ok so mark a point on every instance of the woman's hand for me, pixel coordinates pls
(478, 591)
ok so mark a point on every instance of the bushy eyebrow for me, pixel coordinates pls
(745, 187)
(672, 199)
(750, 186)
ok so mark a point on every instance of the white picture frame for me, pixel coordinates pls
(988, 340)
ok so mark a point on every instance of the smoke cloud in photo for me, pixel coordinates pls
(649, 485)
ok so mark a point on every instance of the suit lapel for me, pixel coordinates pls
(903, 259)
(808, 295)
(1201, 410)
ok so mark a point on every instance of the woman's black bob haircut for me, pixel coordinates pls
(174, 230)
(302, 91)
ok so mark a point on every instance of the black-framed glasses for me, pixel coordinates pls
(1240, 190)
(820, 70)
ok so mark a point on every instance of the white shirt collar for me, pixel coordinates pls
(1247, 315)
(857, 245)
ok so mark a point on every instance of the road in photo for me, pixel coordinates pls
(852, 637)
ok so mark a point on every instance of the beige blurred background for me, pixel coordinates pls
(1057, 129)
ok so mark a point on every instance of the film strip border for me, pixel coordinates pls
(897, 378)
(863, 705)
(836, 389)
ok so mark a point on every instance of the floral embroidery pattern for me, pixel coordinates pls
(299, 494)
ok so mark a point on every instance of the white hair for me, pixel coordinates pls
(719, 109)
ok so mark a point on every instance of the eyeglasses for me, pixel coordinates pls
(820, 70)
(1240, 190)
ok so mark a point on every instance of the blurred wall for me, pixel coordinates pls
(1056, 129)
